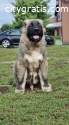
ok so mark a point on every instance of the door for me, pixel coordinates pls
(15, 36)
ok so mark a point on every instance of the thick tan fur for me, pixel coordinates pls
(27, 59)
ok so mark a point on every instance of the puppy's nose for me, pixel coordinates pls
(36, 29)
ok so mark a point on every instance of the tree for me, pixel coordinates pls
(50, 31)
(24, 9)
(6, 27)
(0, 30)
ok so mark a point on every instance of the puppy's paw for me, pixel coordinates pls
(47, 89)
(20, 91)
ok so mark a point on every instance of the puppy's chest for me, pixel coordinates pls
(35, 57)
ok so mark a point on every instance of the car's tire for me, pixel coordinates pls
(6, 43)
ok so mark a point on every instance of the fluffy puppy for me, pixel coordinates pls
(32, 66)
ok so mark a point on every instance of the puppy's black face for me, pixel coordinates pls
(34, 31)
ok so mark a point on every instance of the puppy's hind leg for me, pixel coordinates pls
(20, 75)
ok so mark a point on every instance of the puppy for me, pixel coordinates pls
(31, 65)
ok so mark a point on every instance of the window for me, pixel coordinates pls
(59, 16)
(65, 1)
(7, 32)
(15, 32)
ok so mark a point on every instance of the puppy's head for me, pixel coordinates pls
(34, 30)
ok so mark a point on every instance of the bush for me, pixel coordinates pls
(57, 37)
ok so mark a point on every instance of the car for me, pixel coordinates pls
(12, 37)
(49, 40)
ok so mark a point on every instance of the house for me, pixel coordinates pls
(61, 20)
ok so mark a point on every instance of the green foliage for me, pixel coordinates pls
(28, 14)
(6, 27)
(57, 37)
(50, 31)
(0, 30)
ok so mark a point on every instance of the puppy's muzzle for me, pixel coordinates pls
(35, 31)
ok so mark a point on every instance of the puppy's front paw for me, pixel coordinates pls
(20, 91)
(47, 89)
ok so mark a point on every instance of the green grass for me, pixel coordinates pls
(37, 107)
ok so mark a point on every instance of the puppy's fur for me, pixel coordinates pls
(31, 65)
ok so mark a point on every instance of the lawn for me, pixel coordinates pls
(37, 107)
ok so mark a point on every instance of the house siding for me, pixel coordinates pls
(65, 24)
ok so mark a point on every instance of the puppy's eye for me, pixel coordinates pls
(38, 23)
(31, 25)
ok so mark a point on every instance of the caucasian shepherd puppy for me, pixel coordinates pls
(31, 66)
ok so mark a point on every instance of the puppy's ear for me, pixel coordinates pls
(24, 24)
(44, 29)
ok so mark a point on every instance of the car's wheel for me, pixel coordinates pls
(6, 43)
